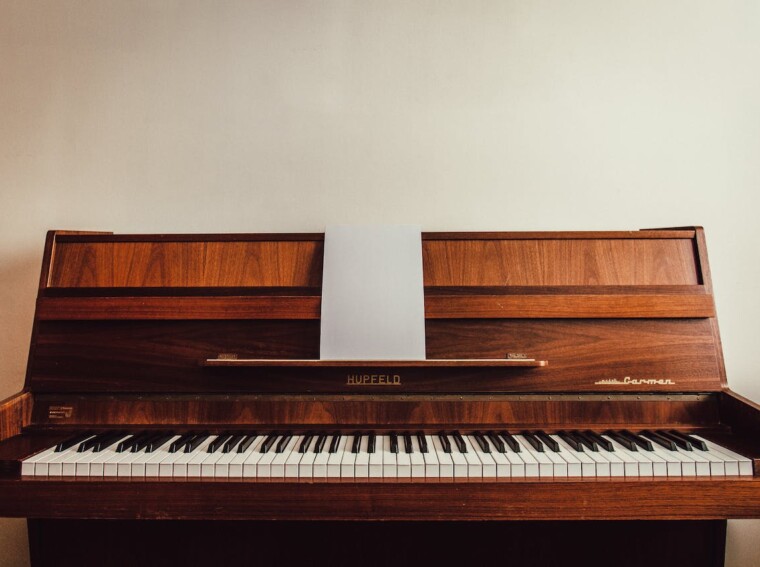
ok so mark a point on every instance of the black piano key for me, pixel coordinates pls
(371, 442)
(106, 442)
(232, 442)
(497, 442)
(422, 442)
(698, 443)
(305, 443)
(645, 444)
(218, 442)
(357, 443)
(335, 442)
(629, 444)
(195, 442)
(482, 442)
(510, 441)
(320, 444)
(247, 442)
(601, 441)
(268, 442)
(586, 441)
(71, 441)
(394, 443)
(568, 438)
(659, 439)
(287, 436)
(143, 443)
(178, 444)
(533, 440)
(445, 442)
(548, 441)
(461, 445)
(157, 442)
(684, 444)
(127, 444)
(408, 447)
(92, 441)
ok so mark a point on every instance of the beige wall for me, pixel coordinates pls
(165, 116)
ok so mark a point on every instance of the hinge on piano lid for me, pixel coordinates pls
(227, 356)
(518, 356)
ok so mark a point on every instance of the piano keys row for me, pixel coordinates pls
(368, 455)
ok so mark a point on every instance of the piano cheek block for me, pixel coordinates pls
(569, 376)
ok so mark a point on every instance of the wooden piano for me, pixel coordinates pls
(175, 412)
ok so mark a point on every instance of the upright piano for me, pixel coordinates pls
(573, 407)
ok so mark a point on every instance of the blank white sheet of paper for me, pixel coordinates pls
(373, 303)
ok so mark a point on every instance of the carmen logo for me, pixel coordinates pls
(636, 381)
(373, 380)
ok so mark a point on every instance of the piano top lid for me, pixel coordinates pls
(612, 311)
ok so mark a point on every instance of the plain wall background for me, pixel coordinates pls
(239, 116)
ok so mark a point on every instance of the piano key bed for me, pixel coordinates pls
(312, 456)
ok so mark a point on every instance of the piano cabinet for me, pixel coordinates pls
(622, 325)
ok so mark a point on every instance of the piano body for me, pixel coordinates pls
(574, 407)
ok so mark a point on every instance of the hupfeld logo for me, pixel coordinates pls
(373, 380)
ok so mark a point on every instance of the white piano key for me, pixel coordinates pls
(503, 464)
(545, 464)
(459, 460)
(177, 465)
(86, 462)
(235, 466)
(671, 458)
(574, 468)
(253, 456)
(635, 464)
(734, 463)
(154, 459)
(321, 459)
(527, 455)
(516, 464)
(194, 465)
(432, 463)
(617, 465)
(53, 465)
(487, 467)
(587, 464)
(223, 465)
(361, 466)
(278, 463)
(403, 461)
(417, 459)
(28, 464)
(208, 466)
(445, 460)
(334, 460)
(306, 464)
(349, 459)
(601, 463)
(293, 460)
(124, 466)
(559, 464)
(376, 459)
(389, 458)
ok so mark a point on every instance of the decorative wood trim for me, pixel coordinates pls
(436, 307)
(15, 413)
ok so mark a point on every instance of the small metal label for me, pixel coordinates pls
(373, 380)
(516, 355)
(628, 381)
(60, 412)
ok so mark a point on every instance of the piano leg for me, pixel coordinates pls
(206, 543)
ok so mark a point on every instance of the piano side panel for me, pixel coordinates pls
(614, 355)
(15, 413)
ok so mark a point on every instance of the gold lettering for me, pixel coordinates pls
(373, 379)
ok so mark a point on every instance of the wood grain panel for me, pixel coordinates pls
(15, 413)
(187, 264)
(382, 412)
(165, 356)
(562, 261)
(557, 499)
(458, 306)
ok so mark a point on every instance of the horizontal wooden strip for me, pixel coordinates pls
(436, 307)
(307, 236)
(569, 306)
(429, 363)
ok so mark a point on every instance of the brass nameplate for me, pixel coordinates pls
(628, 381)
(373, 380)
(60, 412)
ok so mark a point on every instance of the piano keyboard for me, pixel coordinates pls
(492, 454)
